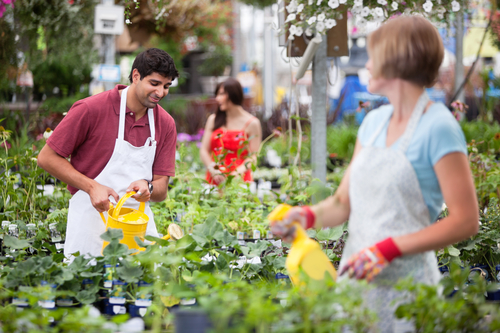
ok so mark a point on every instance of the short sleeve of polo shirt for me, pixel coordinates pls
(72, 130)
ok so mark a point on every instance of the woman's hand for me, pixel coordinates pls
(218, 178)
(285, 228)
(369, 262)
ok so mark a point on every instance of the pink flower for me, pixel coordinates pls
(183, 137)
(8, 145)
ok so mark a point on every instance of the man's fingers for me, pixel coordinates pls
(114, 195)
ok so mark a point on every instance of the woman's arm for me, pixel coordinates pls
(205, 150)
(335, 210)
(459, 193)
(254, 133)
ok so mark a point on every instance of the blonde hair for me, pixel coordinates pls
(407, 47)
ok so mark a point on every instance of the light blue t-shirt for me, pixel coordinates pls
(437, 134)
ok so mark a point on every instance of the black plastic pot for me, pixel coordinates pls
(191, 321)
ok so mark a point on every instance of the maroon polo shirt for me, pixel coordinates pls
(89, 130)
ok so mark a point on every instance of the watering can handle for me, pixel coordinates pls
(120, 203)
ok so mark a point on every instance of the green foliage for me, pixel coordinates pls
(216, 61)
(486, 137)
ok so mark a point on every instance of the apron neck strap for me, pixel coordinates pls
(121, 124)
(422, 102)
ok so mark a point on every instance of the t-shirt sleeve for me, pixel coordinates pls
(71, 131)
(446, 137)
(164, 164)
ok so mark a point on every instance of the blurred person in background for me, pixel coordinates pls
(232, 136)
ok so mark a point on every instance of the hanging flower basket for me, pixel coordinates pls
(318, 16)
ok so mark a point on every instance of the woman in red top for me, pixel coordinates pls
(232, 136)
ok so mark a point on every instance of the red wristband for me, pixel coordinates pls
(310, 217)
(389, 249)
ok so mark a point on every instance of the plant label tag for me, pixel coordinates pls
(143, 302)
(117, 300)
(108, 284)
(20, 301)
(118, 309)
(142, 311)
(47, 304)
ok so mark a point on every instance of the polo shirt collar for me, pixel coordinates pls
(115, 99)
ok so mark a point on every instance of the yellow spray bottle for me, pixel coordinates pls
(305, 253)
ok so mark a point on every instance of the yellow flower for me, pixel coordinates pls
(4, 134)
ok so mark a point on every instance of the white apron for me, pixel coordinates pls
(126, 165)
(386, 201)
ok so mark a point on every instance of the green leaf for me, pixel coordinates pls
(111, 234)
(453, 251)
(255, 249)
(15, 243)
(87, 296)
(221, 263)
(115, 249)
(129, 273)
(329, 233)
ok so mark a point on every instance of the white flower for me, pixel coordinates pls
(333, 4)
(319, 2)
(291, 17)
(455, 6)
(394, 5)
(379, 12)
(427, 6)
(299, 31)
(342, 1)
(292, 30)
(48, 132)
(356, 10)
(311, 20)
(321, 17)
(290, 37)
(320, 27)
(300, 8)
(330, 23)
(365, 12)
(292, 7)
(358, 3)
(310, 2)
(309, 31)
(127, 21)
(361, 22)
(440, 16)
(382, 2)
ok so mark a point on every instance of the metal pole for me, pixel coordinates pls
(108, 43)
(459, 54)
(236, 38)
(318, 118)
(268, 63)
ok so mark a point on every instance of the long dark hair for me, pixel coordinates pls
(234, 91)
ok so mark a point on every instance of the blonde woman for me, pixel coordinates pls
(410, 156)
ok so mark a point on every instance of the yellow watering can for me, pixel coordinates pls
(305, 253)
(133, 222)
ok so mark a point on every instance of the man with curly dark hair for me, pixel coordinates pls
(118, 141)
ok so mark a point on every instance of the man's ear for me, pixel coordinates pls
(136, 76)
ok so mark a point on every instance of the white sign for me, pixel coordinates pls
(109, 20)
(109, 73)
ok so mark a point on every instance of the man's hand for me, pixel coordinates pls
(142, 189)
(99, 196)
